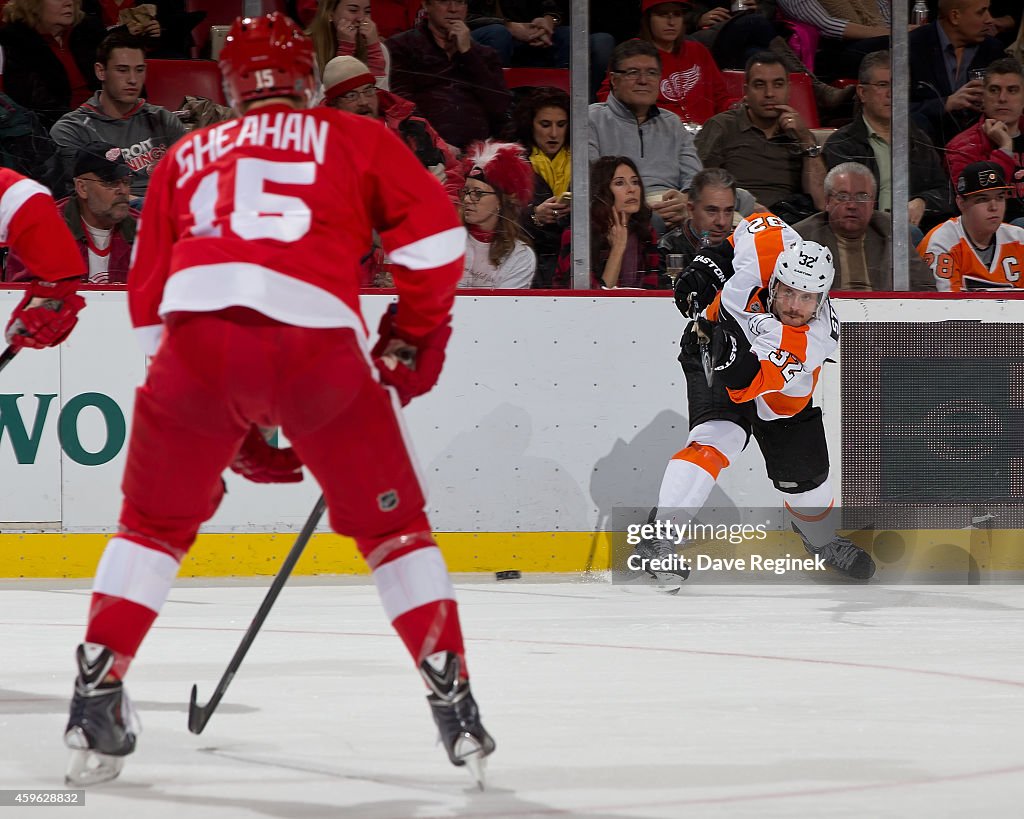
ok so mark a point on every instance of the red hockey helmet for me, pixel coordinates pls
(267, 56)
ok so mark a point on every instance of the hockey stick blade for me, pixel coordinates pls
(7, 356)
(199, 715)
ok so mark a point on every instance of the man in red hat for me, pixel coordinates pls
(245, 292)
(976, 250)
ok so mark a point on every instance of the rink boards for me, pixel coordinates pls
(551, 413)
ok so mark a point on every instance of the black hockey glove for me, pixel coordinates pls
(697, 331)
(732, 359)
(705, 276)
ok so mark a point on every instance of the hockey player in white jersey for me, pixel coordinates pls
(751, 360)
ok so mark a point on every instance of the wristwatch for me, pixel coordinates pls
(812, 151)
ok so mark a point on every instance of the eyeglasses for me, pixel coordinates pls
(884, 85)
(859, 198)
(475, 194)
(365, 94)
(634, 74)
(111, 184)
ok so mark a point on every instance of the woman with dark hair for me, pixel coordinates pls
(49, 49)
(344, 28)
(692, 86)
(540, 123)
(623, 245)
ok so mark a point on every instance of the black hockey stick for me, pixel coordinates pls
(7, 356)
(704, 342)
(199, 715)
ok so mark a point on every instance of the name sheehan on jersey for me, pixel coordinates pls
(281, 130)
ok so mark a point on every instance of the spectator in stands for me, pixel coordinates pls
(849, 29)
(1006, 18)
(867, 140)
(48, 49)
(1016, 49)
(630, 124)
(26, 147)
(349, 86)
(691, 86)
(735, 37)
(391, 16)
(944, 100)
(997, 136)
(499, 184)
(455, 83)
(98, 215)
(163, 26)
(711, 209)
(623, 245)
(534, 33)
(859, 236)
(766, 145)
(540, 123)
(345, 28)
(976, 250)
(117, 115)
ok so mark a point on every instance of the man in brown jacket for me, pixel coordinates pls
(858, 235)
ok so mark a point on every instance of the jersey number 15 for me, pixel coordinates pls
(255, 212)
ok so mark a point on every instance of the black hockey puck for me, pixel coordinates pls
(511, 574)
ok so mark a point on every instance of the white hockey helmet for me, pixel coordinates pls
(806, 266)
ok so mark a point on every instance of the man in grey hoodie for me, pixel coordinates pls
(118, 115)
(630, 124)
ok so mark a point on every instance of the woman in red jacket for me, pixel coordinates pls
(692, 87)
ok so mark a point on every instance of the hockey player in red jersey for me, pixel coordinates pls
(244, 288)
(751, 361)
(31, 226)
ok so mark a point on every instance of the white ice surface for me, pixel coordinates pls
(725, 701)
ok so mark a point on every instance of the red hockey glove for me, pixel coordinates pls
(49, 323)
(410, 365)
(262, 463)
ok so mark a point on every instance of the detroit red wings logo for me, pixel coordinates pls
(678, 84)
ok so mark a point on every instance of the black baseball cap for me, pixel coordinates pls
(979, 177)
(102, 159)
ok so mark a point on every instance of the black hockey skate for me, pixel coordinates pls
(456, 714)
(843, 555)
(103, 725)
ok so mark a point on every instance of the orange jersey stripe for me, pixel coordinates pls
(706, 457)
(711, 314)
(794, 341)
(810, 518)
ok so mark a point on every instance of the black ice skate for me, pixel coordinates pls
(842, 555)
(103, 725)
(671, 571)
(458, 719)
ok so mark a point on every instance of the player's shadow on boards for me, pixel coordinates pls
(509, 488)
(628, 478)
